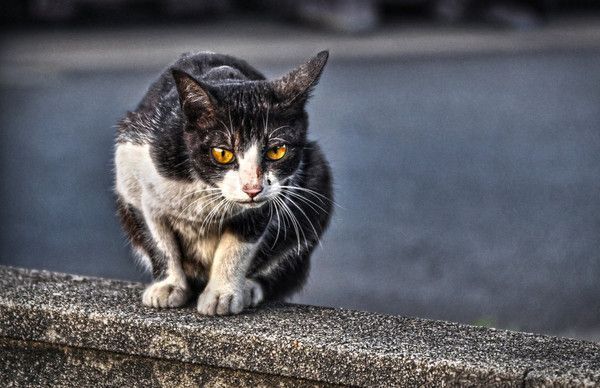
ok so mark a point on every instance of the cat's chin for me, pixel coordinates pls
(252, 204)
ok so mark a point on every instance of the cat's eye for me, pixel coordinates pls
(276, 153)
(221, 155)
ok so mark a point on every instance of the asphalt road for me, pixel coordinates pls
(469, 186)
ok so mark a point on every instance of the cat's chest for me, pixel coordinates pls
(198, 245)
(189, 203)
(139, 182)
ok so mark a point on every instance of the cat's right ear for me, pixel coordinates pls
(195, 99)
(295, 86)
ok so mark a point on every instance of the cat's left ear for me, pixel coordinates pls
(195, 98)
(295, 86)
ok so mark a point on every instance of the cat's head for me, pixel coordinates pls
(247, 137)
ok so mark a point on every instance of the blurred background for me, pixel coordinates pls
(464, 137)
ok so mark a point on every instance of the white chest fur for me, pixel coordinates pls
(140, 184)
(188, 206)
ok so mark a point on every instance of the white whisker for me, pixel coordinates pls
(320, 196)
(295, 223)
(278, 224)
(278, 128)
(305, 200)
(267, 121)
(213, 212)
(307, 219)
(277, 138)
(210, 190)
(286, 214)
(223, 213)
(212, 197)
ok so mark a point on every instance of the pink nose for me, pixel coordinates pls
(252, 191)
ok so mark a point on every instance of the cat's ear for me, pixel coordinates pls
(295, 86)
(195, 98)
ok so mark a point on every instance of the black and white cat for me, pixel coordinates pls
(218, 188)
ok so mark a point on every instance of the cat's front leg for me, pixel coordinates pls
(228, 291)
(172, 290)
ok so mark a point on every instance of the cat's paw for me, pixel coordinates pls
(165, 294)
(253, 293)
(220, 301)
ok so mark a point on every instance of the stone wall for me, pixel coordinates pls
(58, 329)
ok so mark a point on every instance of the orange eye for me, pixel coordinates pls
(221, 155)
(276, 153)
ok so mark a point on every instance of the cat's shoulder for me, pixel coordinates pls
(314, 156)
(316, 170)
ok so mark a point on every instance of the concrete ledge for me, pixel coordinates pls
(38, 364)
(54, 315)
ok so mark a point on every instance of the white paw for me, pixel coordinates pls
(166, 293)
(220, 301)
(253, 293)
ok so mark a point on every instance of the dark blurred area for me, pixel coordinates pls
(349, 16)
(464, 138)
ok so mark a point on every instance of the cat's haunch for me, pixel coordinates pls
(218, 188)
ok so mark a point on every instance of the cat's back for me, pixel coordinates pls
(206, 66)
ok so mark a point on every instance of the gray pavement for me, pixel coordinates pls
(275, 43)
(468, 183)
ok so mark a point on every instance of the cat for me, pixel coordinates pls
(218, 189)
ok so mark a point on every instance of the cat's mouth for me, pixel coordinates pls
(252, 202)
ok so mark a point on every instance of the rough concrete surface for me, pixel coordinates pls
(321, 344)
(38, 364)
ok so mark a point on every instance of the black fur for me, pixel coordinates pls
(181, 132)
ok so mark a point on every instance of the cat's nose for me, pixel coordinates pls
(252, 191)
